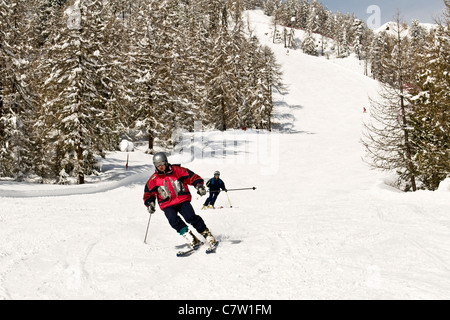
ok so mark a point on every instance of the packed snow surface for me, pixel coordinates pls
(320, 225)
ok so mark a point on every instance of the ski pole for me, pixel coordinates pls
(229, 199)
(242, 189)
(148, 225)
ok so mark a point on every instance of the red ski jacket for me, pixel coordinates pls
(171, 187)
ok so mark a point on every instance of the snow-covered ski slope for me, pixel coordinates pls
(321, 224)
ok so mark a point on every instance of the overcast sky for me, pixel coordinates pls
(423, 10)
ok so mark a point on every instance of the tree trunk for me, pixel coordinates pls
(401, 68)
(274, 29)
(408, 150)
(80, 159)
(151, 139)
(224, 116)
(2, 131)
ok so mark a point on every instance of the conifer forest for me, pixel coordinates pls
(77, 76)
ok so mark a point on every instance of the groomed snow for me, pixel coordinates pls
(321, 224)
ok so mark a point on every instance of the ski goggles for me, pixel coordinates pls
(159, 163)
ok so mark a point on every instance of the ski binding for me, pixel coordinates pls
(188, 252)
(212, 248)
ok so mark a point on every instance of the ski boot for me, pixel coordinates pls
(192, 240)
(210, 240)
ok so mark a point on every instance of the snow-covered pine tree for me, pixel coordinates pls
(42, 16)
(76, 92)
(192, 64)
(431, 105)
(343, 46)
(235, 8)
(269, 7)
(16, 98)
(170, 88)
(45, 14)
(197, 68)
(119, 34)
(358, 27)
(387, 138)
(251, 110)
(277, 20)
(324, 28)
(337, 32)
(270, 80)
(136, 68)
(314, 17)
(98, 66)
(378, 50)
(291, 43)
(291, 8)
(367, 40)
(213, 14)
(220, 81)
(253, 4)
(303, 14)
(417, 34)
(309, 44)
(238, 74)
(341, 34)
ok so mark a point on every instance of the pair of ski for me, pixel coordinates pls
(213, 208)
(211, 249)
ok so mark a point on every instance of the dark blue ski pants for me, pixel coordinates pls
(186, 210)
(212, 198)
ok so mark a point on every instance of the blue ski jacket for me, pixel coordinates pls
(215, 185)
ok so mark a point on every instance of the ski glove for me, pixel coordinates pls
(201, 190)
(151, 208)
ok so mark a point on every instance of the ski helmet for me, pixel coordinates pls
(217, 173)
(160, 159)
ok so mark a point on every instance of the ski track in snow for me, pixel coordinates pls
(320, 225)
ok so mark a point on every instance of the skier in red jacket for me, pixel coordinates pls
(169, 184)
